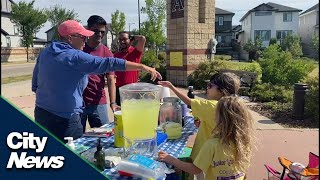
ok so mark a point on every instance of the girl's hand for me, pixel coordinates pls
(196, 121)
(166, 84)
(165, 157)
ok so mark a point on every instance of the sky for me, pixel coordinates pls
(104, 8)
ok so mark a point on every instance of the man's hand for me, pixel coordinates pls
(166, 84)
(153, 72)
(115, 107)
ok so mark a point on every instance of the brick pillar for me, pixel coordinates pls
(190, 27)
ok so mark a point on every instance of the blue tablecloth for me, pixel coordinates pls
(173, 147)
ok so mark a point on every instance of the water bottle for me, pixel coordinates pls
(99, 156)
(190, 94)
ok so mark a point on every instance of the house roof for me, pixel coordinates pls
(39, 40)
(222, 11)
(310, 9)
(236, 28)
(49, 29)
(12, 1)
(271, 7)
(4, 32)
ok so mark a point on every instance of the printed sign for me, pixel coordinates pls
(176, 59)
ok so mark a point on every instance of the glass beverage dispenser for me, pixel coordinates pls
(170, 117)
(140, 104)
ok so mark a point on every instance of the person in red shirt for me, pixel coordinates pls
(94, 95)
(129, 53)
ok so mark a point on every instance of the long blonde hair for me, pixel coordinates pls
(235, 127)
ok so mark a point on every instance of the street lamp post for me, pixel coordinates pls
(139, 14)
(129, 27)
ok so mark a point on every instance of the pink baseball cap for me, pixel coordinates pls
(71, 27)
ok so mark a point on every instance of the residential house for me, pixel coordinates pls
(236, 30)
(308, 27)
(223, 30)
(10, 36)
(269, 20)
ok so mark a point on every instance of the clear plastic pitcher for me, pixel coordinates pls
(140, 104)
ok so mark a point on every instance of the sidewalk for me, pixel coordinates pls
(274, 140)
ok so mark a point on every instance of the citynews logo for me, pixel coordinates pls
(27, 140)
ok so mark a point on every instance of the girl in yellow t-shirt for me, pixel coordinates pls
(226, 155)
(221, 84)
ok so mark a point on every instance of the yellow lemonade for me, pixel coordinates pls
(173, 130)
(140, 118)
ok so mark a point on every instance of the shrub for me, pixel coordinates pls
(312, 99)
(281, 69)
(271, 52)
(273, 41)
(253, 48)
(279, 107)
(204, 72)
(149, 58)
(315, 45)
(162, 57)
(292, 43)
(267, 92)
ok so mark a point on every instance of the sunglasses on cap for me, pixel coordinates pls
(97, 32)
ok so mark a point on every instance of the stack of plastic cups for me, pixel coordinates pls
(164, 92)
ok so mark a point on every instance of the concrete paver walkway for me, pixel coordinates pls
(273, 139)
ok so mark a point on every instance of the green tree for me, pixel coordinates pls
(153, 28)
(29, 20)
(118, 22)
(315, 45)
(292, 43)
(57, 14)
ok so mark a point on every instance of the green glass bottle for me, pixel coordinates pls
(99, 157)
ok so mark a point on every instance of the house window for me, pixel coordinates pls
(218, 39)
(15, 30)
(281, 35)
(220, 19)
(8, 40)
(263, 13)
(264, 35)
(287, 17)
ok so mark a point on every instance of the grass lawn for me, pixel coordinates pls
(15, 79)
(237, 65)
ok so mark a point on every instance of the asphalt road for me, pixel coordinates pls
(13, 70)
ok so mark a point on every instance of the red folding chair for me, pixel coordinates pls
(311, 172)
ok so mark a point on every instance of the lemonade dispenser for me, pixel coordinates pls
(140, 104)
(170, 117)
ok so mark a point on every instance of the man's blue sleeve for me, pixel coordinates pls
(90, 64)
(35, 76)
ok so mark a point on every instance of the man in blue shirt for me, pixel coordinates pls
(61, 75)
